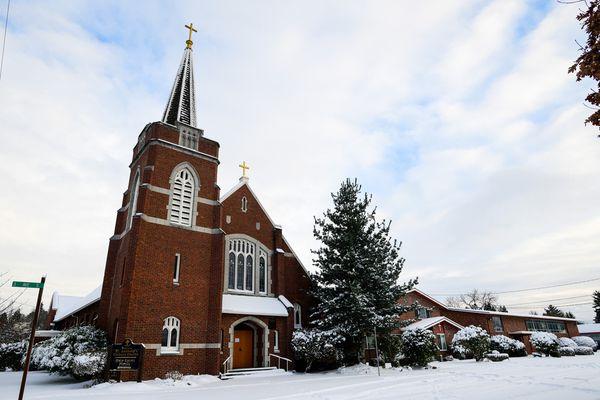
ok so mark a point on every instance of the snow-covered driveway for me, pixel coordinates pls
(519, 378)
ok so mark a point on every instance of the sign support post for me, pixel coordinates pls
(40, 287)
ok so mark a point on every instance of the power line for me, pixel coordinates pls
(559, 305)
(547, 301)
(4, 39)
(525, 290)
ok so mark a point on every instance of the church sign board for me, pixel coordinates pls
(127, 356)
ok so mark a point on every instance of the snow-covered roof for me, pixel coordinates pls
(509, 314)
(253, 305)
(285, 301)
(589, 328)
(46, 333)
(415, 290)
(427, 323)
(68, 305)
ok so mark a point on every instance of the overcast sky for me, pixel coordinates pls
(459, 117)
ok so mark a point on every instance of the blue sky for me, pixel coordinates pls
(459, 117)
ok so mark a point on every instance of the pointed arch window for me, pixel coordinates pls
(262, 272)
(297, 315)
(182, 198)
(241, 259)
(135, 188)
(170, 334)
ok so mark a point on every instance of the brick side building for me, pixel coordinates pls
(202, 280)
(516, 326)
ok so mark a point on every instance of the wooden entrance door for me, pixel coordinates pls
(243, 347)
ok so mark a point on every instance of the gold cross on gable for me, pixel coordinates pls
(189, 42)
(244, 167)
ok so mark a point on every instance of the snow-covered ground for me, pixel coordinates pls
(518, 378)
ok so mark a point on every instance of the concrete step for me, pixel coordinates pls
(246, 372)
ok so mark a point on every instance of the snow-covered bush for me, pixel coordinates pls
(389, 347)
(474, 339)
(566, 351)
(460, 353)
(584, 351)
(504, 344)
(585, 341)
(496, 356)
(566, 342)
(313, 345)
(89, 365)
(545, 342)
(58, 353)
(418, 347)
(12, 354)
(174, 375)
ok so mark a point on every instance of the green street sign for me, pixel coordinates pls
(35, 285)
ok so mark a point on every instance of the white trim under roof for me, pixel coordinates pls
(439, 303)
(429, 322)
(510, 314)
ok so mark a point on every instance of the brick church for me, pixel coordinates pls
(205, 281)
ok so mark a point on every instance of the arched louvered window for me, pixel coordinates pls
(170, 334)
(240, 274)
(182, 198)
(133, 198)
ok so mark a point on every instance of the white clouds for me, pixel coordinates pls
(458, 116)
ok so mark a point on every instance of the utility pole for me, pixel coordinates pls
(40, 287)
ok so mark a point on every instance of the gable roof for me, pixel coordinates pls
(66, 306)
(244, 182)
(429, 322)
(439, 303)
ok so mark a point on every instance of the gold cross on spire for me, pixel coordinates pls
(189, 43)
(244, 167)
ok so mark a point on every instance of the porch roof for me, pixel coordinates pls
(253, 305)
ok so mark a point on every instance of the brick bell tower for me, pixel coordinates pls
(163, 278)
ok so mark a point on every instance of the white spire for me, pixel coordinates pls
(182, 101)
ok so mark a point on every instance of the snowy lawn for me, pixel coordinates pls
(526, 378)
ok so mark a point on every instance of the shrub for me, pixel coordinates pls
(389, 347)
(12, 354)
(58, 354)
(566, 342)
(566, 351)
(174, 375)
(313, 345)
(585, 341)
(545, 342)
(460, 353)
(496, 356)
(583, 351)
(474, 339)
(89, 365)
(504, 344)
(418, 347)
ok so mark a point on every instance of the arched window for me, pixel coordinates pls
(182, 198)
(244, 204)
(170, 334)
(297, 316)
(133, 199)
(262, 272)
(240, 274)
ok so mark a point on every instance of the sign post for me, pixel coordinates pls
(40, 287)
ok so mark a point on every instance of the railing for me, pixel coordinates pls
(279, 358)
(225, 365)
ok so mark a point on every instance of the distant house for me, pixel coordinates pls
(591, 330)
(516, 326)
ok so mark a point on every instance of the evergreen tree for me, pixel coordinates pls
(553, 311)
(597, 306)
(569, 314)
(356, 286)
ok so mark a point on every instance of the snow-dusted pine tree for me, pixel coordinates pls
(357, 284)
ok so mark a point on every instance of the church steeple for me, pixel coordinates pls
(182, 101)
